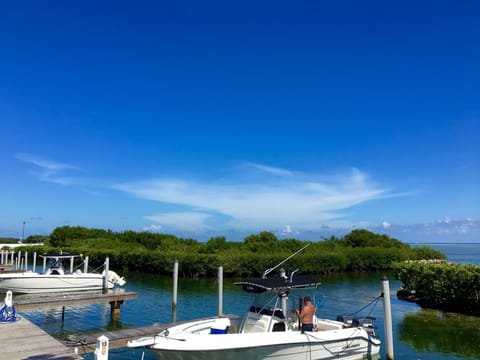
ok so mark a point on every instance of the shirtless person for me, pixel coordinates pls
(306, 315)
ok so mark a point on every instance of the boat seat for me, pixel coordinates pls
(325, 325)
(55, 271)
(279, 326)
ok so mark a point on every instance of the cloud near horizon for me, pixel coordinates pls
(281, 198)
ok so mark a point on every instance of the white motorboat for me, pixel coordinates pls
(55, 278)
(267, 331)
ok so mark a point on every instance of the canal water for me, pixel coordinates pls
(418, 333)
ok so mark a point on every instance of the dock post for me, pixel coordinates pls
(44, 265)
(34, 264)
(105, 276)
(115, 307)
(388, 318)
(101, 352)
(175, 289)
(19, 258)
(220, 290)
(85, 265)
(26, 261)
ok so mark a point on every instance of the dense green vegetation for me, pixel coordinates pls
(360, 250)
(5, 240)
(447, 286)
(30, 240)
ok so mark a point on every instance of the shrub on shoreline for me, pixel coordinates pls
(445, 286)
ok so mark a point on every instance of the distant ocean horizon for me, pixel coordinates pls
(462, 253)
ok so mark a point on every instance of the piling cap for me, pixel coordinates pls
(8, 298)
(102, 338)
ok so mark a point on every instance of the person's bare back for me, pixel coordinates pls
(306, 315)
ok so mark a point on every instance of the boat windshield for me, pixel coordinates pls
(55, 267)
(265, 300)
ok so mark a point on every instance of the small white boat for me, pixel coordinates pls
(268, 330)
(55, 278)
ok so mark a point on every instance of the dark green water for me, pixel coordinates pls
(418, 333)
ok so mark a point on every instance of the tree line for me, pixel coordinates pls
(360, 250)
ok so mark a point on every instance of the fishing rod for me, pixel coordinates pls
(268, 271)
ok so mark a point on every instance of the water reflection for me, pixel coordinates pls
(446, 333)
(418, 334)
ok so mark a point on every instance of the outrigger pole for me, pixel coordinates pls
(268, 271)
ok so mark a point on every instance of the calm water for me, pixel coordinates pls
(418, 333)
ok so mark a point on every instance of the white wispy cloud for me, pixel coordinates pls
(48, 170)
(268, 169)
(306, 201)
(153, 228)
(183, 221)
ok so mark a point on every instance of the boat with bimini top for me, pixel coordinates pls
(268, 330)
(55, 278)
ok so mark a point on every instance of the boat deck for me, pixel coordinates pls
(24, 340)
(118, 338)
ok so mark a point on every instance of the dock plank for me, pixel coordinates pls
(22, 340)
(117, 339)
(71, 300)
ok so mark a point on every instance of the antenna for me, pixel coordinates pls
(268, 271)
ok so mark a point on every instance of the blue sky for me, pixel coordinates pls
(226, 118)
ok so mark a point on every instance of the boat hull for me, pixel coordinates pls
(345, 344)
(30, 283)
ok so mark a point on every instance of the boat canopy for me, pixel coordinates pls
(60, 256)
(278, 284)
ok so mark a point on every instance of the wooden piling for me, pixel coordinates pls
(115, 307)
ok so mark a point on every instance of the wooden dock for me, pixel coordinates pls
(6, 267)
(22, 340)
(115, 299)
(117, 339)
